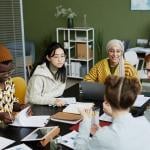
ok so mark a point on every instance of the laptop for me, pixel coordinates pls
(93, 92)
(73, 91)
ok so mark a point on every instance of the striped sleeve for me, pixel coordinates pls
(99, 72)
(130, 71)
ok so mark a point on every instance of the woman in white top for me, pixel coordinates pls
(48, 79)
(125, 132)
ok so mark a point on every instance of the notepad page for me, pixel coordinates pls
(68, 139)
(74, 108)
(140, 100)
(33, 121)
(21, 117)
(24, 120)
(20, 147)
(67, 100)
(4, 142)
(105, 117)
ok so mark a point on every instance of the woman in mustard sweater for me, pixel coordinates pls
(113, 65)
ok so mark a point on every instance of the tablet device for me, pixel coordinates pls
(40, 134)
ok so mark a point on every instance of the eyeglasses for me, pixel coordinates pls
(7, 73)
(146, 71)
(111, 50)
(59, 57)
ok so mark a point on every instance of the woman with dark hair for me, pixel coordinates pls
(125, 132)
(48, 79)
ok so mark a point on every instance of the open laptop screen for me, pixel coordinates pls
(93, 92)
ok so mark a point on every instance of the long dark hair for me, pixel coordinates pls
(50, 51)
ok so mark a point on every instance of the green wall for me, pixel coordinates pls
(113, 18)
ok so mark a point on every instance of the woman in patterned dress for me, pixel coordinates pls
(8, 101)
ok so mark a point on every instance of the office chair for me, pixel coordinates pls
(132, 58)
(30, 56)
(20, 88)
(126, 44)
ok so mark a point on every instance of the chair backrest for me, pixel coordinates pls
(20, 88)
(30, 49)
(132, 58)
(126, 44)
(30, 56)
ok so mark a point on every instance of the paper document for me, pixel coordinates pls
(4, 142)
(20, 147)
(105, 117)
(140, 100)
(68, 139)
(74, 108)
(22, 119)
(67, 100)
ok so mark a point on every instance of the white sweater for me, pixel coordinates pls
(43, 88)
(125, 133)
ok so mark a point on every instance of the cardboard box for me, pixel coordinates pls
(81, 51)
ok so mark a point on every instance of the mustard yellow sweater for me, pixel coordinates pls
(101, 70)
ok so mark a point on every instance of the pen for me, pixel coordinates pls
(54, 105)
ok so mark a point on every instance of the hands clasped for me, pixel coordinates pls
(59, 103)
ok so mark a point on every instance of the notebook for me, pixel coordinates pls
(64, 117)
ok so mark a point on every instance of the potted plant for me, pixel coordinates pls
(66, 12)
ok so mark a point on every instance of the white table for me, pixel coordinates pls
(140, 50)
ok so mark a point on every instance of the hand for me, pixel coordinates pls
(16, 107)
(107, 108)
(59, 103)
(6, 117)
(86, 113)
(94, 128)
(29, 111)
(22, 106)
